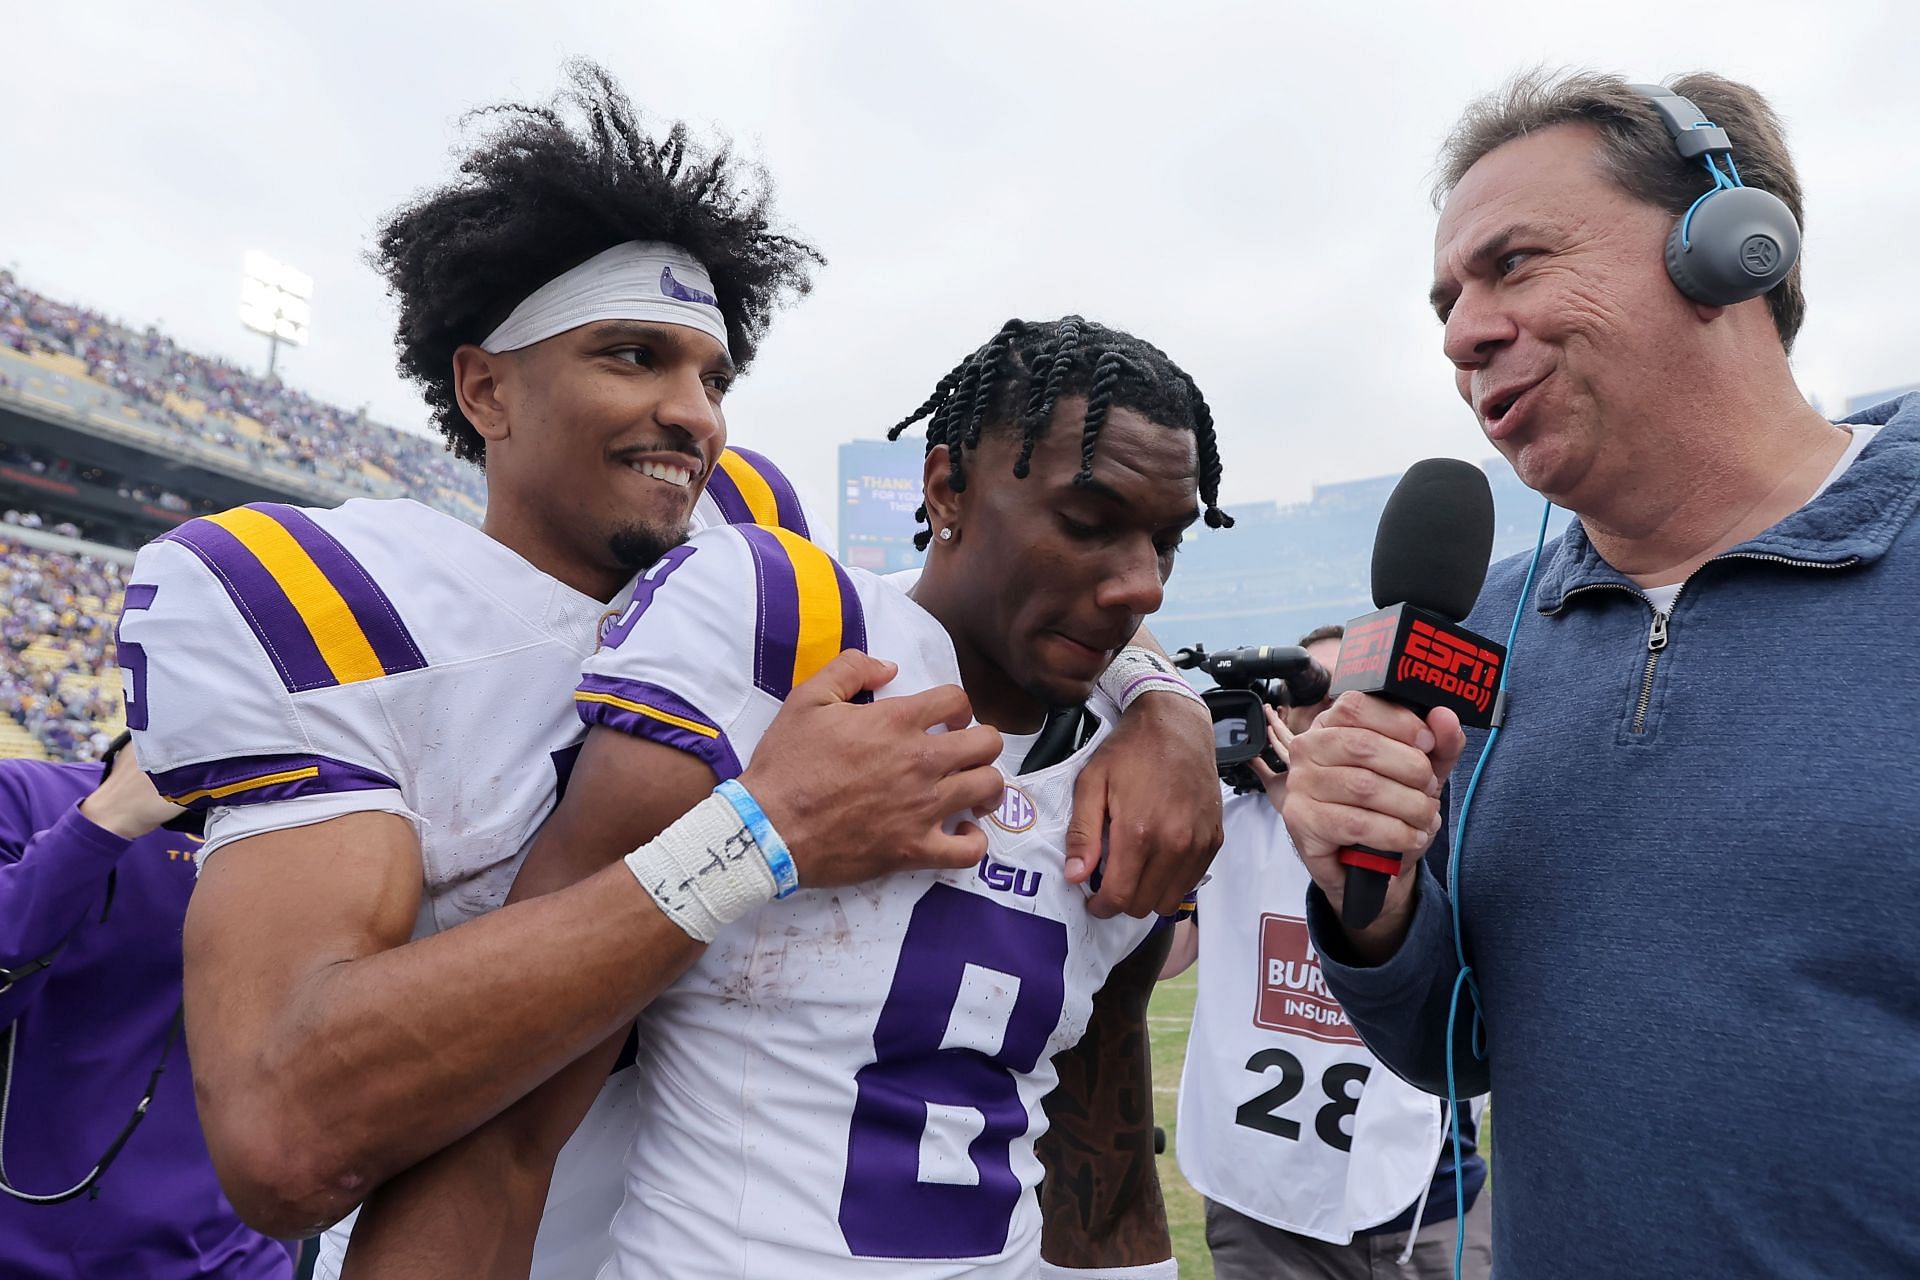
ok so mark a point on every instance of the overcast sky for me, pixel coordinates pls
(1245, 185)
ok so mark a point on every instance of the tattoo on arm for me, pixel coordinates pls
(1100, 1201)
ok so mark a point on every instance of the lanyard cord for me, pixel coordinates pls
(92, 1181)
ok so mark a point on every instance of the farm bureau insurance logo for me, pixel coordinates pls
(1293, 996)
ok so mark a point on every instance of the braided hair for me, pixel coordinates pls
(1015, 380)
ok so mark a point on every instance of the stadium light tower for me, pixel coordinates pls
(275, 300)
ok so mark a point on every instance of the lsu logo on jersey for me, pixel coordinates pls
(1002, 878)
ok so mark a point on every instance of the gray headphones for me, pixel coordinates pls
(1735, 242)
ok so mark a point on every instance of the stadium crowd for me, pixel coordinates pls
(56, 620)
(212, 402)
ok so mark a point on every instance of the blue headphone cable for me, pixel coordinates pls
(1465, 980)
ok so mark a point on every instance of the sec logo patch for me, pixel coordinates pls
(605, 627)
(1016, 812)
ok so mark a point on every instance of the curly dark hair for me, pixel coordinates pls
(549, 187)
(1015, 380)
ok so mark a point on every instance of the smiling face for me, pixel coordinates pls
(599, 441)
(1566, 337)
(1046, 580)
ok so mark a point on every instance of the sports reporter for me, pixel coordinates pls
(1678, 906)
(92, 892)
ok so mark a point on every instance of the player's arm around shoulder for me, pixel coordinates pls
(748, 651)
(1149, 798)
(1100, 1201)
(473, 1210)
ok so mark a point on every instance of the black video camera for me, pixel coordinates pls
(1279, 676)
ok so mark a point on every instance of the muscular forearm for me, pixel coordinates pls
(378, 1062)
(472, 1211)
(1100, 1200)
(46, 889)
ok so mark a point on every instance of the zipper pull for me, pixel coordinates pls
(1657, 634)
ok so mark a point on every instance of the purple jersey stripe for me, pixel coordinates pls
(649, 711)
(389, 638)
(853, 621)
(785, 497)
(258, 779)
(777, 629)
(727, 496)
(261, 601)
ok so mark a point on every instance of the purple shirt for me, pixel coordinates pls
(88, 1031)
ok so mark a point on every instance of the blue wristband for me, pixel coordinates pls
(786, 877)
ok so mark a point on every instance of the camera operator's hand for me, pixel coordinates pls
(125, 802)
(1280, 739)
(1369, 773)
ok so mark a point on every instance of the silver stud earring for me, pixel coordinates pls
(946, 534)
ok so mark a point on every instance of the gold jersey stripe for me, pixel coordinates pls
(821, 608)
(640, 708)
(753, 487)
(336, 633)
(245, 784)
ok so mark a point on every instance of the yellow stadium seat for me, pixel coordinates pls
(16, 743)
(60, 362)
(185, 406)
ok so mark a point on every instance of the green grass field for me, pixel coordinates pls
(1168, 1018)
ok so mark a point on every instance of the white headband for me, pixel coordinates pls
(638, 280)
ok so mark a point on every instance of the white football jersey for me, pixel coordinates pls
(849, 1081)
(284, 666)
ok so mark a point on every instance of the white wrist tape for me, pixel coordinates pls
(706, 870)
(1168, 1270)
(1135, 671)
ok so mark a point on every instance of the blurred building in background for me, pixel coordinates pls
(879, 492)
(1283, 570)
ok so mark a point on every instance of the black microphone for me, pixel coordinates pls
(1309, 686)
(1429, 562)
(1238, 667)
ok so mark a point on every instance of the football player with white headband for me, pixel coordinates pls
(863, 1082)
(372, 702)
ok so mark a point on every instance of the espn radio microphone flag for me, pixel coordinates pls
(1429, 561)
